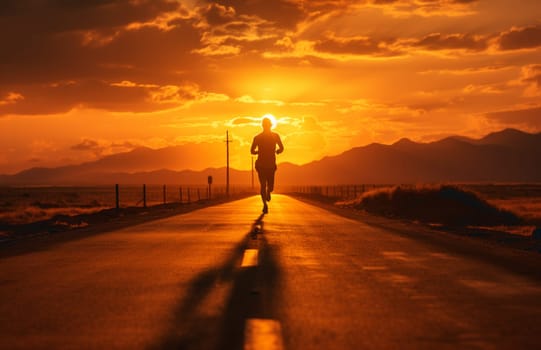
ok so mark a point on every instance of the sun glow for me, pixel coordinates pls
(272, 119)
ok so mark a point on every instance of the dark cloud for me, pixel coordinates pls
(532, 75)
(283, 13)
(66, 15)
(437, 41)
(72, 63)
(47, 58)
(45, 99)
(530, 117)
(125, 96)
(313, 7)
(521, 38)
(355, 46)
(88, 145)
(217, 14)
(425, 3)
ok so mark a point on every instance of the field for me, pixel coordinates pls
(21, 205)
(524, 200)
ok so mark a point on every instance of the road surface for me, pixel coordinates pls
(299, 278)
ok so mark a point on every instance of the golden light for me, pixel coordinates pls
(272, 119)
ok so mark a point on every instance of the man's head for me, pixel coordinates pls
(267, 124)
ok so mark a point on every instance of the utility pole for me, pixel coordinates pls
(227, 141)
(252, 172)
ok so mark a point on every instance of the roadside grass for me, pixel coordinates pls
(446, 205)
(527, 208)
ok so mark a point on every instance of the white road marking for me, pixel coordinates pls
(250, 258)
(374, 268)
(263, 334)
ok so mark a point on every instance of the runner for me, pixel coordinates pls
(264, 145)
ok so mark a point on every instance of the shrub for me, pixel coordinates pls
(445, 204)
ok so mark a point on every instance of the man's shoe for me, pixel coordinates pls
(265, 209)
(268, 197)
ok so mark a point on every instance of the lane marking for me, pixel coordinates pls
(250, 258)
(374, 268)
(263, 334)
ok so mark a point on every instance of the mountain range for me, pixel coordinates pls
(509, 155)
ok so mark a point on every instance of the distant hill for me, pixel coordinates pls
(506, 156)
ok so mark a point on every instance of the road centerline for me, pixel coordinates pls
(250, 258)
(263, 334)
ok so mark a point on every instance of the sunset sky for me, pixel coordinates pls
(83, 79)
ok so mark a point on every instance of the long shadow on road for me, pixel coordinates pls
(253, 293)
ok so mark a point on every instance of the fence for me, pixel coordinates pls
(335, 192)
(147, 195)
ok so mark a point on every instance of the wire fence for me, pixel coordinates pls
(29, 204)
(335, 192)
(149, 195)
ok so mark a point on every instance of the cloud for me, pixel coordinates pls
(529, 117)
(468, 70)
(89, 44)
(225, 32)
(250, 100)
(123, 96)
(531, 78)
(437, 41)
(244, 121)
(311, 124)
(313, 143)
(486, 89)
(217, 14)
(11, 98)
(283, 14)
(426, 8)
(36, 15)
(520, 38)
(354, 46)
(88, 145)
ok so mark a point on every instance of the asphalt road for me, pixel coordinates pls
(300, 277)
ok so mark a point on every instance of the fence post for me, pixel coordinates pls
(180, 193)
(117, 197)
(164, 195)
(144, 195)
(198, 195)
(189, 199)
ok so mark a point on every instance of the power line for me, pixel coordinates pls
(227, 142)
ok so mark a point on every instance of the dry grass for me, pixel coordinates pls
(23, 215)
(527, 208)
(444, 204)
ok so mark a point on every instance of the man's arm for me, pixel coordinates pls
(280, 145)
(254, 146)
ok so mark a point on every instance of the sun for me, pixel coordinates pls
(272, 119)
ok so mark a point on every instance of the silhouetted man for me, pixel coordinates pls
(264, 145)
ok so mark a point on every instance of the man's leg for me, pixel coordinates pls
(263, 186)
(270, 185)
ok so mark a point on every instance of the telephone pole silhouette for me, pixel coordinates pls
(227, 142)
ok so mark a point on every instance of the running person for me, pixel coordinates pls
(264, 145)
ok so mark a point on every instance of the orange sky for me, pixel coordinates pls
(80, 80)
